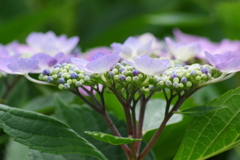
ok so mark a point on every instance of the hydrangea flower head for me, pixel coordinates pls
(99, 63)
(206, 45)
(150, 66)
(182, 51)
(132, 48)
(51, 44)
(227, 62)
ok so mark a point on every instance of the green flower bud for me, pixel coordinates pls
(80, 75)
(66, 86)
(135, 79)
(61, 86)
(86, 78)
(78, 84)
(129, 79)
(176, 80)
(54, 76)
(198, 78)
(45, 77)
(74, 81)
(115, 71)
(116, 77)
(40, 77)
(189, 84)
(69, 81)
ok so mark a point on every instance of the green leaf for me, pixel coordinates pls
(110, 138)
(16, 151)
(214, 132)
(37, 155)
(154, 115)
(44, 133)
(178, 19)
(198, 111)
(45, 104)
(82, 118)
(168, 143)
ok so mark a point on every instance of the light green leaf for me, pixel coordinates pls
(198, 111)
(177, 19)
(44, 133)
(37, 155)
(154, 115)
(16, 151)
(110, 138)
(214, 132)
(163, 149)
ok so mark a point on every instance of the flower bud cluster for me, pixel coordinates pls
(185, 76)
(67, 76)
(125, 77)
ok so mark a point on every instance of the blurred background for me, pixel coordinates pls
(102, 22)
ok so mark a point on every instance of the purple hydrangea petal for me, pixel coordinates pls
(126, 52)
(103, 64)
(92, 52)
(132, 42)
(96, 56)
(23, 65)
(4, 63)
(116, 46)
(227, 62)
(229, 66)
(44, 60)
(144, 48)
(151, 66)
(80, 63)
(183, 51)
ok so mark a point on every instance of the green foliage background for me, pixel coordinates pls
(102, 22)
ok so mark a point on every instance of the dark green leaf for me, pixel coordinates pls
(214, 132)
(198, 111)
(43, 133)
(110, 138)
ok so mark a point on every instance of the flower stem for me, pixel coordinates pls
(37, 81)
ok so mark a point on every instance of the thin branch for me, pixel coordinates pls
(10, 86)
(87, 101)
(90, 93)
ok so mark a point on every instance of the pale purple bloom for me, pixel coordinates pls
(227, 62)
(150, 66)
(206, 45)
(183, 51)
(157, 47)
(132, 48)
(99, 63)
(44, 61)
(51, 44)
(22, 65)
(90, 53)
